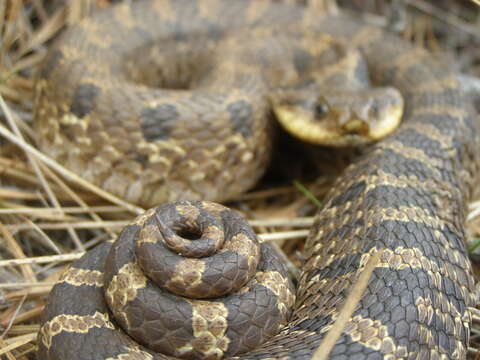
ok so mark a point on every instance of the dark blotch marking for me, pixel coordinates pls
(212, 30)
(339, 267)
(84, 99)
(142, 159)
(301, 60)
(314, 323)
(97, 259)
(121, 252)
(51, 63)
(447, 96)
(158, 122)
(394, 163)
(352, 192)
(413, 138)
(446, 124)
(102, 343)
(66, 294)
(241, 114)
(384, 196)
(259, 303)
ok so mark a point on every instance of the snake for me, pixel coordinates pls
(404, 197)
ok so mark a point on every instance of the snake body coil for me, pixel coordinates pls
(406, 196)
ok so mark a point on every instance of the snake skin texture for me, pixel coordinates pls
(233, 293)
(405, 196)
(170, 87)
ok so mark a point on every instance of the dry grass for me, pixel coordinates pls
(50, 216)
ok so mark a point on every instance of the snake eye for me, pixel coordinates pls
(321, 110)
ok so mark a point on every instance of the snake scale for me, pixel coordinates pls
(405, 196)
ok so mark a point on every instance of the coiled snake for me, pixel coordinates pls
(405, 196)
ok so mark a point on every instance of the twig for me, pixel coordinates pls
(23, 329)
(16, 285)
(473, 351)
(444, 16)
(67, 210)
(470, 84)
(41, 259)
(24, 316)
(15, 342)
(14, 315)
(298, 222)
(347, 310)
(475, 314)
(36, 168)
(16, 251)
(47, 31)
(74, 196)
(282, 235)
(45, 238)
(261, 194)
(306, 221)
(474, 210)
(69, 175)
(65, 225)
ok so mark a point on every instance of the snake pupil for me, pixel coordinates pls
(321, 110)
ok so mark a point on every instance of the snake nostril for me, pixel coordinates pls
(374, 111)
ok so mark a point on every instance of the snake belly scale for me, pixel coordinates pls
(405, 196)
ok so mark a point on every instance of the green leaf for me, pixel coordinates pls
(475, 243)
(307, 193)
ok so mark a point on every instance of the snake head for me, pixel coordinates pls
(338, 117)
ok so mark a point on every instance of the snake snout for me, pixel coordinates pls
(380, 112)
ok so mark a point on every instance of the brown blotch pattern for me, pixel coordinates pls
(187, 274)
(190, 212)
(72, 323)
(133, 354)
(374, 335)
(75, 276)
(278, 284)
(148, 234)
(123, 288)
(243, 245)
(209, 323)
(141, 219)
(213, 207)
